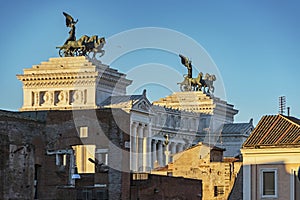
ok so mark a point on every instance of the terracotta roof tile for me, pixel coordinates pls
(275, 130)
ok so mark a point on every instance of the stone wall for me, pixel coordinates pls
(202, 163)
(237, 189)
(28, 171)
(17, 155)
(166, 187)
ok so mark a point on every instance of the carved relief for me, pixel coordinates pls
(62, 97)
(177, 122)
(143, 106)
(47, 98)
(77, 97)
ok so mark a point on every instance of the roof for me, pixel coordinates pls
(124, 99)
(275, 130)
(203, 144)
(168, 167)
(237, 128)
(230, 159)
(5, 114)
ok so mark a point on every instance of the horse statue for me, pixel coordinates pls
(191, 84)
(78, 43)
(86, 45)
(98, 47)
(196, 82)
(73, 48)
(82, 47)
(185, 85)
(93, 44)
(209, 80)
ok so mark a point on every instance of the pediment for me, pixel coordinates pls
(143, 105)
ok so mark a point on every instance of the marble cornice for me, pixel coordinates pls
(57, 76)
(115, 79)
(64, 82)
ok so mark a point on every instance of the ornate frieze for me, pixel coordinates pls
(62, 98)
(199, 102)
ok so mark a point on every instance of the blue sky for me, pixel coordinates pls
(254, 45)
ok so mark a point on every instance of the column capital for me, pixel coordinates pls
(154, 141)
(172, 143)
(134, 124)
(160, 142)
(147, 131)
(140, 130)
(142, 125)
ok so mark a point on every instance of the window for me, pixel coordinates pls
(83, 132)
(268, 181)
(102, 194)
(139, 176)
(102, 156)
(61, 160)
(218, 190)
(84, 194)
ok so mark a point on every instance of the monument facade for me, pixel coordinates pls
(78, 81)
(76, 117)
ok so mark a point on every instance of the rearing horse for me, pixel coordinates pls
(99, 44)
(196, 82)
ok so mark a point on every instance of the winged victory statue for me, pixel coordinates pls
(84, 46)
(199, 83)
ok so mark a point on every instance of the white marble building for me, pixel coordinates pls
(157, 130)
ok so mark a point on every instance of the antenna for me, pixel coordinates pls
(282, 104)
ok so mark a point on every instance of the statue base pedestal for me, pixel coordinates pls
(69, 83)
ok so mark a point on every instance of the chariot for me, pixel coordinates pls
(68, 50)
(83, 47)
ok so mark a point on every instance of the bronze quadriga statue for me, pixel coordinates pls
(84, 46)
(196, 84)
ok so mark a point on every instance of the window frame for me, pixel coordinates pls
(262, 183)
(84, 132)
(219, 190)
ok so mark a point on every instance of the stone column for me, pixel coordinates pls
(133, 147)
(173, 147)
(140, 146)
(179, 147)
(160, 153)
(154, 153)
(173, 150)
(147, 149)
